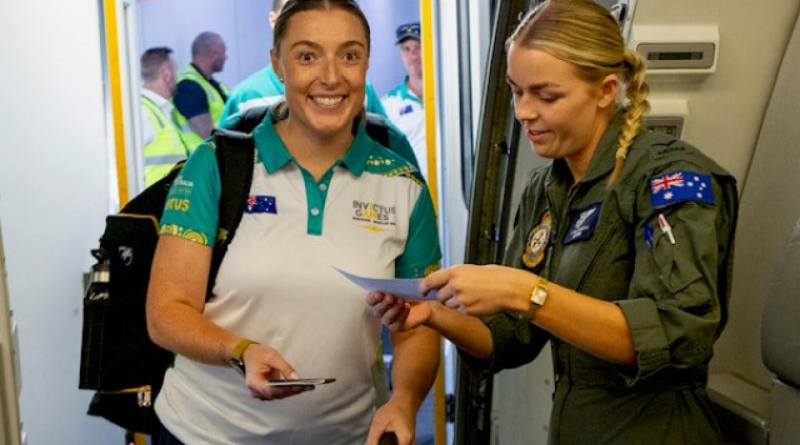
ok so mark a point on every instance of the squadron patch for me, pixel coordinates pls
(537, 242)
(582, 223)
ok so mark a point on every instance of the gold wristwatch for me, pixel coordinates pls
(237, 356)
(537, 299)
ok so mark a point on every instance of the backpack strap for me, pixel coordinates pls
(251, 118)
(235, 153)
(378, 129)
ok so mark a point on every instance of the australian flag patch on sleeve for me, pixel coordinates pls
(681, 186)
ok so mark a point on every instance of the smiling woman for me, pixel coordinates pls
(269, 311)
(324, 70)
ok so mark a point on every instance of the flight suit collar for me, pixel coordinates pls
(603, 160)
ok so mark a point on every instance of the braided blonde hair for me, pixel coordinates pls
(583, 33)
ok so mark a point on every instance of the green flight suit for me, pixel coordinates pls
(673, 296)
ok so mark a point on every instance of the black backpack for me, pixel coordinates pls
(118, 359)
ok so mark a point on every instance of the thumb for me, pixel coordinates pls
(375, 433)
(282, 366)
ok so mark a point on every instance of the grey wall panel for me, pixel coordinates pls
(770, 205)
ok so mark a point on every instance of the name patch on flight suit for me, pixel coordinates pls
(582, 223)
(261, 204)
(681, 186)
(537, 242)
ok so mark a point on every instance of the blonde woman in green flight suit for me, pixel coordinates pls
(622, 255)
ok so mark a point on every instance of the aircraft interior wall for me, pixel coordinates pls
(54, 196)
(770, 206)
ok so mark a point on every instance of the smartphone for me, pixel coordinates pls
(299, 382)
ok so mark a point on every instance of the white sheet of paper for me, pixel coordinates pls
(407, 289)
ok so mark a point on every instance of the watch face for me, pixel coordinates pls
(237, 365)
(539, 295)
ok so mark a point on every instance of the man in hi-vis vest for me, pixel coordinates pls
(200, 98)
(162, 141)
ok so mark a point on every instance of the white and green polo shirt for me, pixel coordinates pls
(278, 286)
(405, 111)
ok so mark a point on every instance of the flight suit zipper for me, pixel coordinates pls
(557, 217)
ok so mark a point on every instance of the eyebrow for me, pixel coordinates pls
(534, 87)
(315, 45)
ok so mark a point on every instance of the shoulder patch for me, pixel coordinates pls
(680, 186)
(388, 165)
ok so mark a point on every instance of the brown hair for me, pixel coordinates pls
(292, 7)
(585, 34)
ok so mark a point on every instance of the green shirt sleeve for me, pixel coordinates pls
(678, 297)
(421, 255)
(192, 207)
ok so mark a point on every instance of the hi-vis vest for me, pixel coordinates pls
(166, 149)
(215, 106)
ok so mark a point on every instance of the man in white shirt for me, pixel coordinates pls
(403, 104)
(162, 141)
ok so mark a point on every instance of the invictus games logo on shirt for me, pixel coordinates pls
(374, 214)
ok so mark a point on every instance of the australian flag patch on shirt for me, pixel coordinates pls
(261, 204)
(681, 186)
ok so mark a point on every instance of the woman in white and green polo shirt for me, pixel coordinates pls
(323, 196)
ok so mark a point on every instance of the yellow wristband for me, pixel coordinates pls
(238, 350)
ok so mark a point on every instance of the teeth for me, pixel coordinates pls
(328, 101)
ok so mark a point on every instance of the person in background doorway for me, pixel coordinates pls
(622, 255)
(323, 196)
(161, 139)
(403, 104)
(200, 98)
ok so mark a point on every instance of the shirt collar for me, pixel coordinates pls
(273, 153)
(604, 156)
(406, 92)
(198, 70)
(157, 99)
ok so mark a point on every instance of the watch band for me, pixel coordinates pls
(236, 360)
